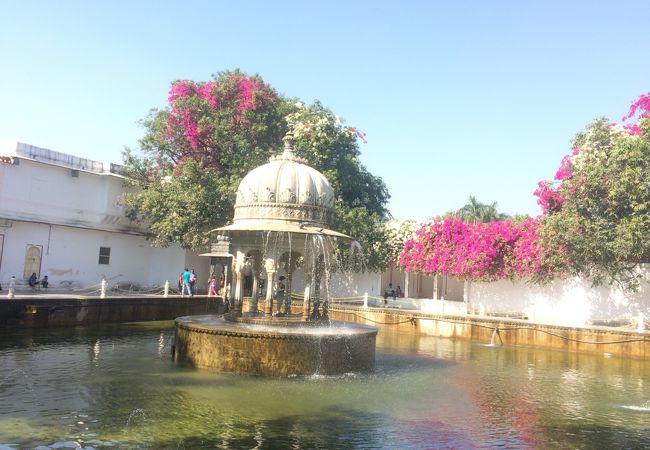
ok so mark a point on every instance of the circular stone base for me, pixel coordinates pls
(274, 348)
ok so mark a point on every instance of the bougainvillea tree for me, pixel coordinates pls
(486, 251)
(196, 150)
(595, 218)
(398, 232)
(597, 210)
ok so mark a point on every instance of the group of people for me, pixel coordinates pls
(392, 292)
(34, 282)
(214, 285)
(187, 283)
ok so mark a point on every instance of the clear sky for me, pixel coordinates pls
(457, 98)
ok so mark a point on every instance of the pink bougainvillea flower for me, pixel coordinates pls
(640, 104)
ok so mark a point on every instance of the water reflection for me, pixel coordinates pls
(115, 386)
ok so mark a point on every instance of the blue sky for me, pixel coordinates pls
(457, 98)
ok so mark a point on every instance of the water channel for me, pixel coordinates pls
(115, 386)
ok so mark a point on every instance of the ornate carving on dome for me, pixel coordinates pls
(240, 197)
(288, 157)
(291, 212)
(270, 195)
(307, 197)
(288, 196)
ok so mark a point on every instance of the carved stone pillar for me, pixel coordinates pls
(325, 315)
(316, 295)
(254, 294)
(287, 300)
(238, 274)
(306, 302)
(321, 305)
(226, 282)
(270, 268)
(407, 285)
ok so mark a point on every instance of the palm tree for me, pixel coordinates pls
(476, 212)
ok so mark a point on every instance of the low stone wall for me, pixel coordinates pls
(57, 312)
(568, 302)
(53, 312)
(501, 331)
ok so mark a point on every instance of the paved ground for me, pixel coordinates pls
(27, 293)
(23, 293)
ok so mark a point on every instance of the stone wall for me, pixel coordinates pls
(498, 331)
(569, 302)
(40, 313)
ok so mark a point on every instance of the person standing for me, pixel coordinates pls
(222, 290)
(212, 286)
(192, 280)
(186, 283)
(280, 296)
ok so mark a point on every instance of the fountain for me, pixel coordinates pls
(281, 229)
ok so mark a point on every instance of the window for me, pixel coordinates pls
(104, 255)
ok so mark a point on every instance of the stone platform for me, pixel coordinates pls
(274, 347)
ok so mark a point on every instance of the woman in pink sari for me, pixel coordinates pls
(212, 286)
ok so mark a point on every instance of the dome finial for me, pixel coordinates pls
(288, 154)
(288, 143)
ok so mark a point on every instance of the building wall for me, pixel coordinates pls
(37, 188)
(343, 285)
(67, 208)
(572, 302)
(70, 256)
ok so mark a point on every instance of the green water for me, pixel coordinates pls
(116, 387)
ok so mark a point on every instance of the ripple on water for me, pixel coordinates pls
(642, 408)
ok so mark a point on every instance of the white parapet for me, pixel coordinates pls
(443, 307)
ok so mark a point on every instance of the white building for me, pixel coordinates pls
(61, 216)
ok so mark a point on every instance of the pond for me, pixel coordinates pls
(115, 386)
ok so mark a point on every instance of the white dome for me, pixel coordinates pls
(285, 189)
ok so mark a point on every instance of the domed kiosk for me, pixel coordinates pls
(280, 238)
